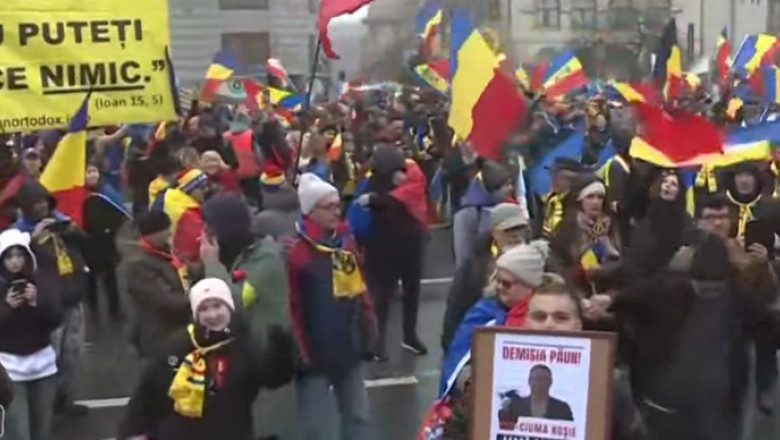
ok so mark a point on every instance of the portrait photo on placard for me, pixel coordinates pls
(540, 387)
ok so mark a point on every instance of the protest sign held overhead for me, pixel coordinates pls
(55, 51)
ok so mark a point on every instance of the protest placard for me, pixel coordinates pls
(542, 386)
(56, 51)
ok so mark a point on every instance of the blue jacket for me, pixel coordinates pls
(488, 311)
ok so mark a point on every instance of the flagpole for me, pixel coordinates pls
(307, 108)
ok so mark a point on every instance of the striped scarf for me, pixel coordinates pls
(347, 279)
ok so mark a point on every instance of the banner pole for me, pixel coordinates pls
(306, 109)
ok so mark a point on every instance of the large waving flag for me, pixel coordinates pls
(741, 144)
(667, 70)
(219, 72)
(723, 55)
(64, 174)
(486, 106)
(330, 9)
(435, 74)
(681, 136)
(755, 51)
(427, 24)
(564, 74)
(571, 147)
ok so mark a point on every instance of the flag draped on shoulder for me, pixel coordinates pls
(64, 175)
(330, 9)
(486, 105)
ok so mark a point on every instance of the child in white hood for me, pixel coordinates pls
(29, 311)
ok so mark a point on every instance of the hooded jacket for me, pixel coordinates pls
(398, 233)
(280, 212)
(25, 332)
(72, 286)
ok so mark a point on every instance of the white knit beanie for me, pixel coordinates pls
(210, 288)
(526, 261)
(312, 189)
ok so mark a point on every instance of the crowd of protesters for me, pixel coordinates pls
(262, 254)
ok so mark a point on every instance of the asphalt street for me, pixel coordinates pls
(400, 391)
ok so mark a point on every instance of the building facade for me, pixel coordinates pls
(252, 30)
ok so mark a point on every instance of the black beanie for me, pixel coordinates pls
(153, 222)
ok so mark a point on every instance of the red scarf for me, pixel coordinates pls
(181, 268)
(412, 193)
(518, 314)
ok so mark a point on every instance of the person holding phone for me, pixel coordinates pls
(29, 312)
(57, 244)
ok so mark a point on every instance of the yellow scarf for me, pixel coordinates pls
(776, 183)
(553, 212)
(64, 262)
(706, 179)
(347, 279)
(188, 389)
(745, 213)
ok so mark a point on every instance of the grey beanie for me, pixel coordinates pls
(526, 262)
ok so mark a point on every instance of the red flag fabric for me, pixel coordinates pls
(330, 9)
(537, 75)
(412, 192)
(681, 136)
(499, 110)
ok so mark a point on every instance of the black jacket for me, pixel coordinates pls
(227, 412)
(26, 329)
(521, 407)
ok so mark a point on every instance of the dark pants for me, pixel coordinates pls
(766, 363)
(112, 291)
(706, 421)
(253, 191)
(382, 277)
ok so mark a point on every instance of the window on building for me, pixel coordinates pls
(312, 6)
(623, 15)
(227, 5)
(548, 13)
(584, 14)
(658, 13)
(249, 48)
(494, 10)
(773, 25)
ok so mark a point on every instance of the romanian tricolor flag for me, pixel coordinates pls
(427, 24)
(723, 55)
(485, 105)
(667, 70)
(564, 74)
(755, 51)
(537, 75)
(65, 172)
(741, 144)
(435, 74)
(221, 69)
(681, 136)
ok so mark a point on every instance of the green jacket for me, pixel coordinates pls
(261, 292)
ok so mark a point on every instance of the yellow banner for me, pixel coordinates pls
(54, 52)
